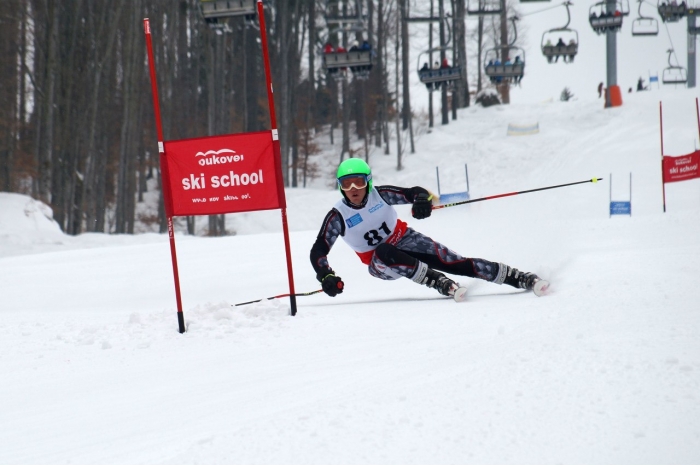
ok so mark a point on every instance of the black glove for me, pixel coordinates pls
(422, 206)
(331, 284)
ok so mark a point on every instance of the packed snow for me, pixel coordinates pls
(604, 369)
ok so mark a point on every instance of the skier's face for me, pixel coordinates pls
(356, 195)
(355, 187)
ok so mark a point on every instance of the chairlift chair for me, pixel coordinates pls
(504, 72)
(671, 11)
(214, 9)
(568, 51)
(601, 21)
(644, 25)
(359, 61)
(674, 74)
(435, 79)
(483, 7)
(570, 47)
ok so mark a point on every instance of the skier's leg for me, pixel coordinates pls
(383, 266)
(388, 262)
(441, 258)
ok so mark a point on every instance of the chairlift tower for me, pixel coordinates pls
(609, 22)
(611, 49)
(693, 31)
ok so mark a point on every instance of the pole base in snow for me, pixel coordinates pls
(181, 322)
(614, 97)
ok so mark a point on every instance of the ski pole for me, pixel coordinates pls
(437, 207)
(278, 297)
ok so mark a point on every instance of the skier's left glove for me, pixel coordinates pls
(422, 206)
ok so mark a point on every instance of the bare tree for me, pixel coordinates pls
(78, 129)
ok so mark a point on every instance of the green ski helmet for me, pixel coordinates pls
(354, 166)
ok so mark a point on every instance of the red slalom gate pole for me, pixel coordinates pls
(498, 196)
(661, 132)
(278, 156)
(164, 175)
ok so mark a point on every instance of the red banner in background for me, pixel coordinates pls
(222, 174)
(682, 168)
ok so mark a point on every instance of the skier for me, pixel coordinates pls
(368, 223)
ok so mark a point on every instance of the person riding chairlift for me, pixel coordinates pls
(548, 49)
(560, 43)
(328, 49)
(519, 77)
(424, 72)
(341, 49)
(488, 65)
(572, 47)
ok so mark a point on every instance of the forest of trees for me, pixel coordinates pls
(77, 129)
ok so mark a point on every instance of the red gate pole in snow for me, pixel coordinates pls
(697, 114)
(164, 175)
(663, 181)
(278, 156)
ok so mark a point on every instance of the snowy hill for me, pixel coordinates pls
(605, 369)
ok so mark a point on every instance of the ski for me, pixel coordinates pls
(460, 294)
(540, 288)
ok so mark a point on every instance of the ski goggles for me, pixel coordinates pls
(358, 181)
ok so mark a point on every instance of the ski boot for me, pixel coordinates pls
(525, 280)
(444, 285)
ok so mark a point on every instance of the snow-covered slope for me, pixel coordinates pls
(605, 369)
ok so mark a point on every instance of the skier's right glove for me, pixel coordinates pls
(331, 284)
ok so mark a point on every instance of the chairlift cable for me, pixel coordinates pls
(544, 9)
(672, 47)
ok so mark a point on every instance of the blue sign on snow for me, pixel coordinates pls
(621, 208)
(455, 197)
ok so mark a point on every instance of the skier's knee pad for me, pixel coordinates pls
(379, 269)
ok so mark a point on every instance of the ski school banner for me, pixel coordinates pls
(681, 168)
(222, 174)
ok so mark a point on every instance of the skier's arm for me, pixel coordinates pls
(420, 198)
(394, 195)
(330, 230)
